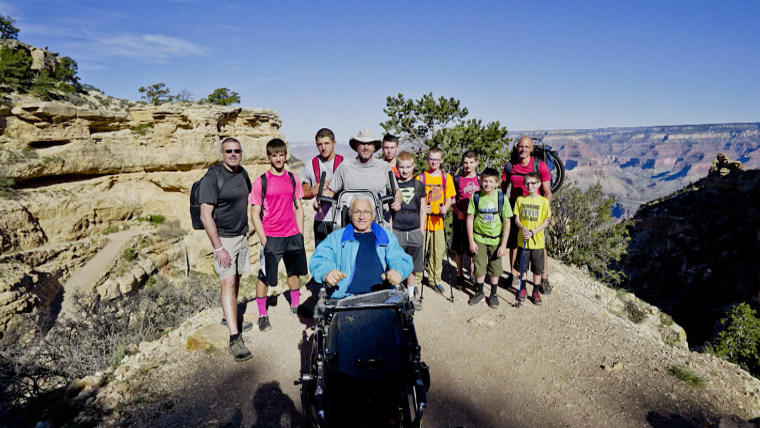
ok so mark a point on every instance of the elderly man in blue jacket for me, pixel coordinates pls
(360, 256)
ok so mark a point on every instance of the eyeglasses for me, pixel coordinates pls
(360, 213)
(434, 160)
(531, 183)
(228, 151)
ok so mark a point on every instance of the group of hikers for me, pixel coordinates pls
(377, 248)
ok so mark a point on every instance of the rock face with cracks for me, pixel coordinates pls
(83, 167)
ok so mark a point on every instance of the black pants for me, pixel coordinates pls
(321, 230)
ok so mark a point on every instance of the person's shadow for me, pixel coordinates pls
(274, 409)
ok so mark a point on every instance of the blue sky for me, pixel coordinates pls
(529, 65)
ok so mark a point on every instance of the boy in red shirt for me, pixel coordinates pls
(465, 184)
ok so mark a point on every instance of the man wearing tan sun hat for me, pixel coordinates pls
(365, 171)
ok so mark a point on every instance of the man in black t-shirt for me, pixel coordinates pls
(224, 215)
(408, 219)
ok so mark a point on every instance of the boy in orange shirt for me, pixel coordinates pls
(440, 191)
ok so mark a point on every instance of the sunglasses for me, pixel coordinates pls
(228, 151)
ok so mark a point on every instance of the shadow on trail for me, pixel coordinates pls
(657, 420)
(275, 409)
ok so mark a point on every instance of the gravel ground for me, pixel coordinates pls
(568, 362)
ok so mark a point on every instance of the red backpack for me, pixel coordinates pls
(315, 164)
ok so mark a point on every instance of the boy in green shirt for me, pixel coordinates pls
(487, 231)
(532, 215)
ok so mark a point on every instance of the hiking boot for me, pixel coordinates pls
(477, 298)
(438, 289)
(545, 287)
(238, 349)
(537, 298)
(242, 325)
(523, 295)
(264, 323)
(493, 301)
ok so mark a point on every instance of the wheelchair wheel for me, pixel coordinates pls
(558, 173)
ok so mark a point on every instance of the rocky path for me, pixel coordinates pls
(85, 279)
(569, 362)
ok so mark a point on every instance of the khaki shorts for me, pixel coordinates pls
(486, 261)
(237, 247)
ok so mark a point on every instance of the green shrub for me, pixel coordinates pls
(7, 187)
(15, 69)
(7, 29)
(582, 232)
(129, 254)
(38, 359)
(141, 129)
(153, 219)
(634, 312)
(222, 97)
(687, 375)
(739, 339)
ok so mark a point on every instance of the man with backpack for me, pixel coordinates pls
(327, 161)
(514, 175)
(390, 147)
(365, 172)
(223, 197)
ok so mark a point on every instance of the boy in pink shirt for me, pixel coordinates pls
(277, 216)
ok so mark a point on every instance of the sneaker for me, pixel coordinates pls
(537, 298)
(238, 350)
(523, 295)
(477, 298)
(264, 323)
(245, 326)
(545, 287)
(438, 289)
(294, 310)
(417, 304)
(493, 301)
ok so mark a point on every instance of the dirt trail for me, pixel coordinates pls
(505, 367)
(85, 278)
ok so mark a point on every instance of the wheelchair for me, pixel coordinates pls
(365, 367)
(342, 203)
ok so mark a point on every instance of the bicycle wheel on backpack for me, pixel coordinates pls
(558, 173)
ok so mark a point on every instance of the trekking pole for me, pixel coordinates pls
(446, 240)
(522, 270)
(426, 255)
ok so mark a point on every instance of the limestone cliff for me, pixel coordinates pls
(83, 168)
(694, 253)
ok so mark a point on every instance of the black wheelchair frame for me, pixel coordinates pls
(374, 364)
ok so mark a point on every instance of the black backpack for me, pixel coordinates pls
(195, 206)
(500, 202)
(264, 190)
(540, 153)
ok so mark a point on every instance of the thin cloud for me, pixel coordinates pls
(147, 47)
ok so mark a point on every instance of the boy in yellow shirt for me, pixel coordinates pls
(532, 216)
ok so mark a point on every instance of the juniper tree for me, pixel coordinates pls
(429, 122)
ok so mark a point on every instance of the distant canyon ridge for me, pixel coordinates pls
(644, 163)
(637, 164)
